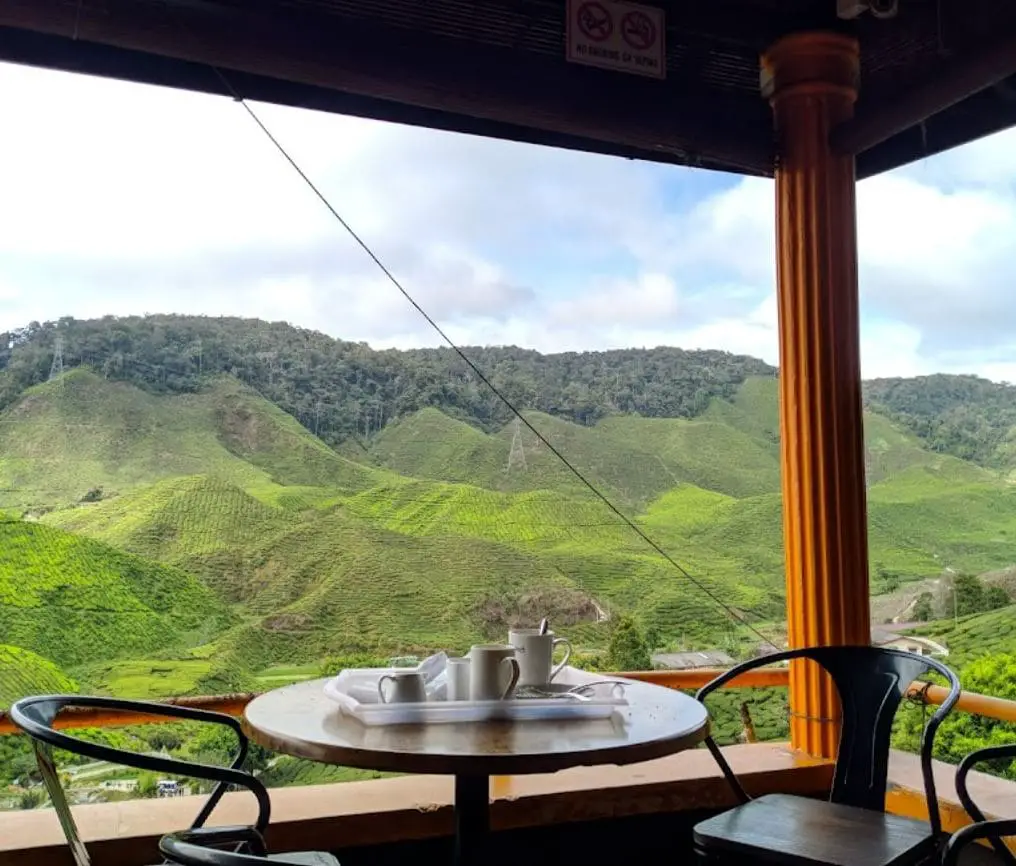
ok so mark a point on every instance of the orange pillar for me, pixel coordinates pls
(811, 81)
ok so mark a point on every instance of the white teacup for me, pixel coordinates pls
(407, 688)
(493, 672)
(458, 679)
(535, 653)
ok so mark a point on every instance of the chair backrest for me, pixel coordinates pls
(871, 682)
(36, 715)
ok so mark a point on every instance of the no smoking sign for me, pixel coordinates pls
(627, 37)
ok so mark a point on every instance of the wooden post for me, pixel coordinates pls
(811, 81)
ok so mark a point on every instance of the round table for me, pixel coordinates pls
(299, 720)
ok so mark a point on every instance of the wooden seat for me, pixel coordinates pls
(780, 828)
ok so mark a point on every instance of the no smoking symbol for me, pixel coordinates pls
(595, 21)
(638, 30)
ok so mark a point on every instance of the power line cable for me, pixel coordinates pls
(477, 371)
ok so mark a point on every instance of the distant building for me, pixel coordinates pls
(892, 639)
(126, 785)
(691, 660)
(169, 788)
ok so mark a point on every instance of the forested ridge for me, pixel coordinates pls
(339, 389)
(966, 416)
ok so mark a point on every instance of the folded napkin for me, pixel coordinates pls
(361, 685)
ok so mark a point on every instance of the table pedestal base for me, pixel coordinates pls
(472, 819)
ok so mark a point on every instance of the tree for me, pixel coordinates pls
(996, 597)
(962, 733)
(888, 581)
(218, 745)
(164, 739)
(969, 595)
(923, 610)
(654, 637)
(148, 785)
(31, 799)
(627, 650)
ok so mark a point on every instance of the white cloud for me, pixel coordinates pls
(125, 199)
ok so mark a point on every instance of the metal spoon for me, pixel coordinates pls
(544, 625)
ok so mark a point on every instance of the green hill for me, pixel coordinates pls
(431, 445)
(293, 553)
(965, 416)
(343, 584)
(81, 433)
(203, 525)
(25, 673)
(972, 637)
(631, 459)
(74, 600)
(191, 532)
(733, 448)
(342, 390)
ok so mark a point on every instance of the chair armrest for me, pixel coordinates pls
(979, 756)
(992, 830)
(35, 716)
(723, 679)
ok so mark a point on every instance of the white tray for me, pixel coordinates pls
(447, 712)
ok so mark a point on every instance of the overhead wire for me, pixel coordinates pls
(513, 409)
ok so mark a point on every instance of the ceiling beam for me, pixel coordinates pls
(956, 80)
(985, 113)
(89, 58)
(428, 73)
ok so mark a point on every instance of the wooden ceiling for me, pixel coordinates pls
(498, 68)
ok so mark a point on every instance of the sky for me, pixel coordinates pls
(123, 199)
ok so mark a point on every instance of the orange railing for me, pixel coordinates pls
(89, 717)
(970, 702)
(758, 678)
(981, 705)
(233, 704)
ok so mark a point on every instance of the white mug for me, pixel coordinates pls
(458, 679)
(407, 688)
(493, 672)
(535, 653)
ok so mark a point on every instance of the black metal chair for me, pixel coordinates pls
(994, 831)
(35, 716)
(201, 847)
(852, 826)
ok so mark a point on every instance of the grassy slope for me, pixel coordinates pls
(732, 448)
(330, 563)
(344, 584)
(73, 599)
(633, 460)
(25, 673)
(973, 636)
(203, 525)
(293, 563)
(80, 432)
(428, 444)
